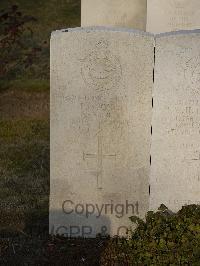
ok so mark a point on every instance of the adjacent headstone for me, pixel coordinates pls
(175, 152)
(101, 91)
(172, 15)
(119, 13)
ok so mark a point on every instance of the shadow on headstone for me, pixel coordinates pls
(78, 225)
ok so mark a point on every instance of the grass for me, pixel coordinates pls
(31, 85)
(22, 130)
(24, 172)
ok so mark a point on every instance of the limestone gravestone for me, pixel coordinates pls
(101, 89)
(175, 152)
(120, 13)
(172, 15)
(103, 135)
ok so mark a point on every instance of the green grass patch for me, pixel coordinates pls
(32, 85)
(24, 130)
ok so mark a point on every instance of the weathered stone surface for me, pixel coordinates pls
(175, 169)
(101, 90)
(120, 13)
(172, 15)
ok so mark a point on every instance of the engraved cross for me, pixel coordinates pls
(100, 156)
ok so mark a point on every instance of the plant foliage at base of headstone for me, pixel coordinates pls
(165, 238)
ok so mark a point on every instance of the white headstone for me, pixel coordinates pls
(175, 152)
(119, 13)
(172, 15)
(101, 89)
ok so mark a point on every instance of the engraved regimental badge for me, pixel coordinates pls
(101, 69)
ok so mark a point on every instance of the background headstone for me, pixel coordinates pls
(175, 151)
(119, 13)
(101, 91)
(172, 15)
